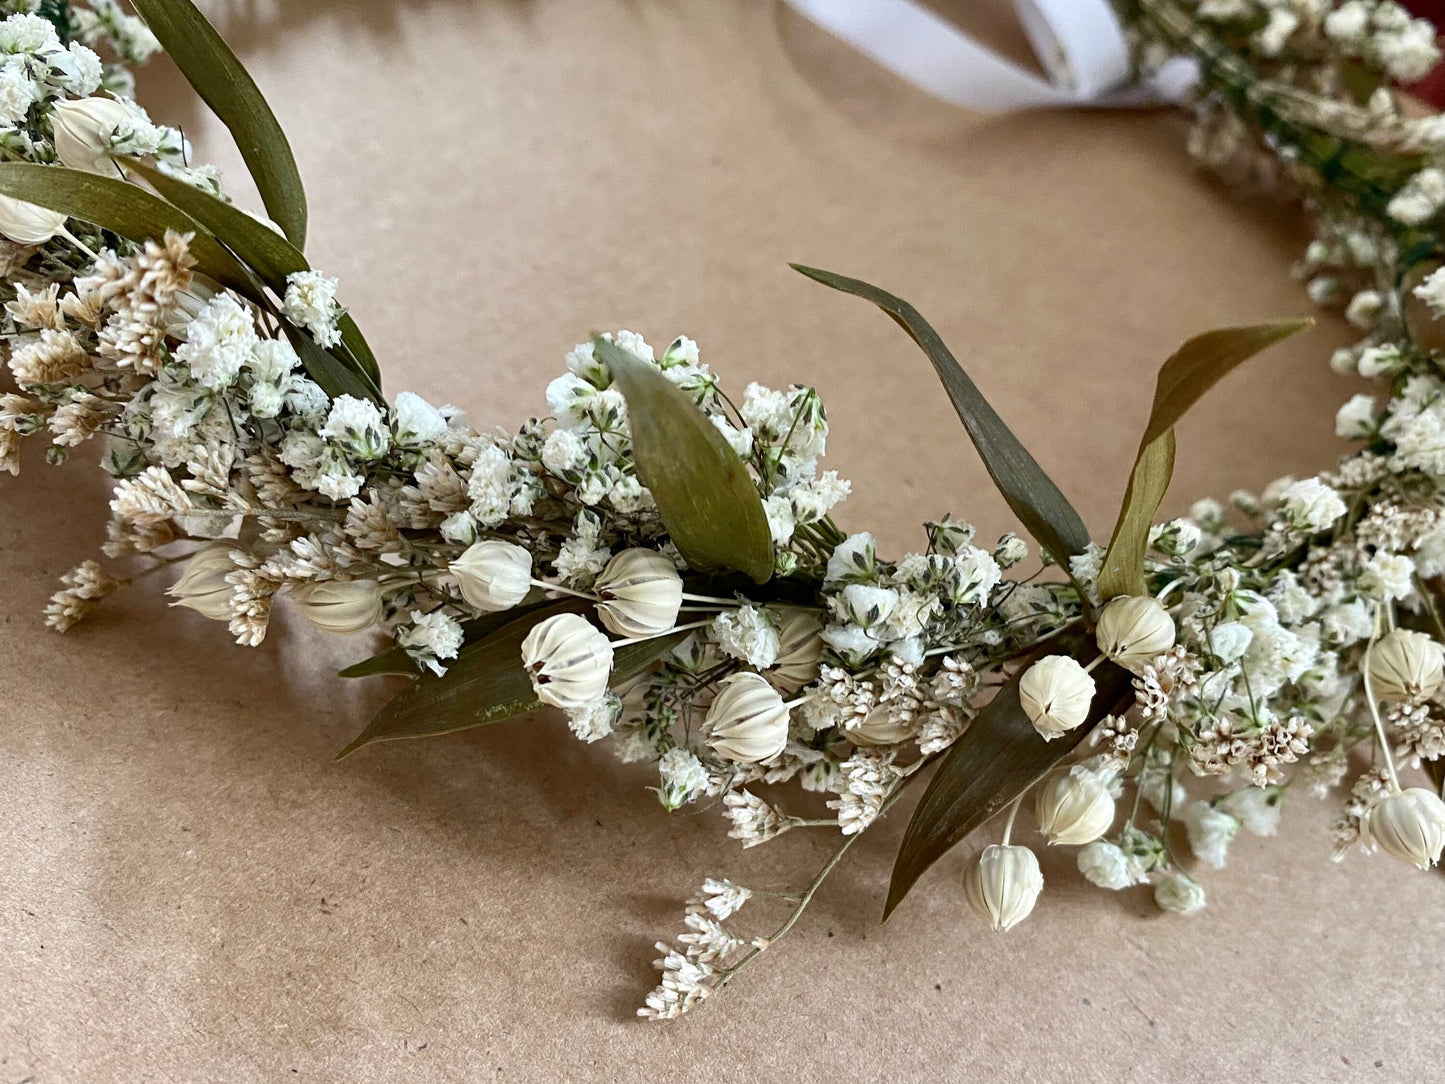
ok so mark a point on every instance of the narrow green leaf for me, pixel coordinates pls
(122, 208)
(998, 758)
(336, 377)
(225, 85)
(261, 248)
(1191, 371)
(1032, 495)
(487, 683)
(1122, 572)
(1199, 364)
(704, 494)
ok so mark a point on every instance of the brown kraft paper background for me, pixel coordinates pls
(191, 889)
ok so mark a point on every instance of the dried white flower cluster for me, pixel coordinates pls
(1263, 653)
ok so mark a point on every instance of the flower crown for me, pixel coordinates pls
(657, 556)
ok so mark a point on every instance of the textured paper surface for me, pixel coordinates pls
(190, 889)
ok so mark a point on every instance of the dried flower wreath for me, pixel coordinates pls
(660, 560)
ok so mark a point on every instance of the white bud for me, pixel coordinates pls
(1410, 826)
(1055, 693)
(1211, 829)
(28, 224)
(1074, 807)
(800, 645)
(748, 721)
(342, 606)
(1230, 640)
(1133, 629)
(202, 586)
(569, 661)
(1179, 893)
(1004, 885)
(1406, 667)
(83, 129)
(493, 575)
(641, 593)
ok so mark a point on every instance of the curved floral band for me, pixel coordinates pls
(657, 555)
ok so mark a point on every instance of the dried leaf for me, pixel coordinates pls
(1193, 369)
(487, 683)
(122, 208)
(224, 84)
(1032, 495)
(704, 494)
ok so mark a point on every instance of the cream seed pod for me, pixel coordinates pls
(202, 585)
(1133, 629)
(1406, 667)
(340, 606)
(1074, 807)
(800, 648)
(26, 224)
(569, 661)
(1003, 886)
(493, 575)
(641, 593)
(1410, 826)
(83, 130)
(748, 722)
(1055, 693)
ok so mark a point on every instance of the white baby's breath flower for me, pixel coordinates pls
(1106, 865)
(1310, 505)
(1180, 894)
(418, 423)
(1210, 830)
(219, 341)
(311, 304)
(358, 426)
(1388, 577)
(749, 633)
(683, 778)
(1356, 419)
(431, 638)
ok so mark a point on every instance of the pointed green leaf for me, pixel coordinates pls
(999, 757)
(261, 248)
(336, 377)
(122, 208)
(225, 85)
(1192, 370)
(1122, 572)
(1032, 495)
(1199, 364)
(487, 683)
(704, 494)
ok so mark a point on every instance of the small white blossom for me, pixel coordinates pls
(310, 303)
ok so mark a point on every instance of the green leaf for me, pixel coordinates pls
(487, 683)
(999, 757)
(704, 494)
(336, 377)
(122, 208)
(225, 85)
(1192, 370)
(1032, 495)
(261, 248)
(1122, 572)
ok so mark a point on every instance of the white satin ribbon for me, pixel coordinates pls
(1080, 44)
